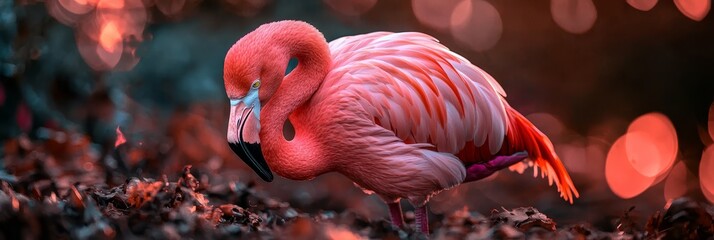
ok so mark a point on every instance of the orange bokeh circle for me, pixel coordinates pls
(622, 178)
(694, 9)
(642, 5)
(654, 144)
(676, 184)
(434, 14)
(643, 154)
(476, 24)
(573, 16)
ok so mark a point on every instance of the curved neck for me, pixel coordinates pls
(296, 159)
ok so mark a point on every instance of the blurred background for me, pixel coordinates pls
(624, 89)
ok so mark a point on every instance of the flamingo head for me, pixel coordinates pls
(253, 70)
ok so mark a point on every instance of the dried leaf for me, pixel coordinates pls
(139, 192)
(75, 198)
(523, 218)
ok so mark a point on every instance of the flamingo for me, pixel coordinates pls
(399, 114)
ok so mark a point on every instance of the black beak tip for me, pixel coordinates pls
(252, 155)
(267, 178)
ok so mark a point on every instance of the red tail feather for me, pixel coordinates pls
(522, 135)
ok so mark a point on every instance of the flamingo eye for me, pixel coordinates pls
(255, 84)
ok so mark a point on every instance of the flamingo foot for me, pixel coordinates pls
(482, 170)
(395, 213)
(422, 219)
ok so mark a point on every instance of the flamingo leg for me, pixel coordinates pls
(395, 213)
(482, 170)
(422, 219)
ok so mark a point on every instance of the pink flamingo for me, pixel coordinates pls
(397, 113)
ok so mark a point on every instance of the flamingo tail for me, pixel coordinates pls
(523, 135)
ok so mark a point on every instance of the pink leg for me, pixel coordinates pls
(395, 213)
(482, 170)
(422, 219)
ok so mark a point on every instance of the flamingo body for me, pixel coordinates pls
(398, 113)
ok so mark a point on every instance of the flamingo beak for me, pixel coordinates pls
(243, 137)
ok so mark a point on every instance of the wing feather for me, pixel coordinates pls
(416, 87)
(431, 97)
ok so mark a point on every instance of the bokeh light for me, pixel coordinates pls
(676, 184)
(90, 50)
(434, 14)
(476, 24)
(694, 9)
(351, 7)
(654, 144)
(574, 156)
(622, 178)
(706, 168)
(643, 154)
(333, 232)
(58, 11)
(103, 28)
(110, 4)
(77, 6)
(708, 195)
(110, 37)
(129, 15)
(574, 16)
(642, 5)
(110, 45)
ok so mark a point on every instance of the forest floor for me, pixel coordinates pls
(53, 190)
